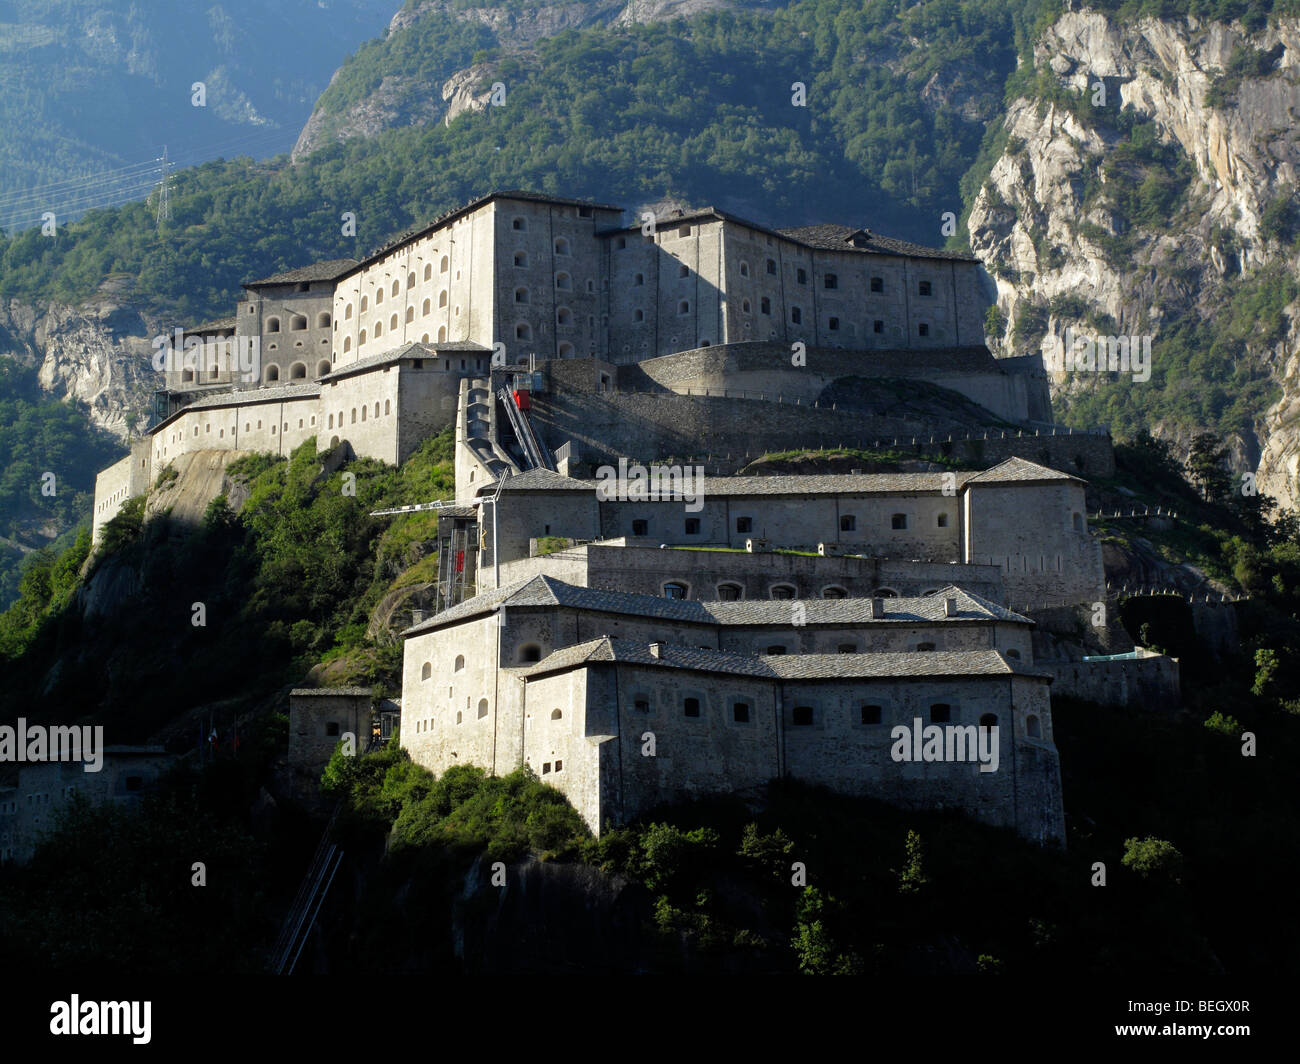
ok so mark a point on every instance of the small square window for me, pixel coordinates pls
(940, 713)
(332, 728)
(691, 707)
(877, 284)
(692, 526)
(924, 288)
(744, 524)
(802, 716)
(835, 324)
(546, 768)
(923, 329)
(640, 528)
(870, 715)
(740, 712)
(877, 326)
(642, 705)
(832, 281)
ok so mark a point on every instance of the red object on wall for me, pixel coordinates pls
(460, 561)
(521, 400)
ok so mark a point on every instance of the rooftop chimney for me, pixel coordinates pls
(656, 650)
(950, 607)
(877, 609)
(417, 615)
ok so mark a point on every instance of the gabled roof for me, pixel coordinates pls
(396, 354)
(827, 237)
(541, 480)
(928, 665)
(329, 270)
(545, 590)
(219, 325)
(783, 484)
(1019, 471)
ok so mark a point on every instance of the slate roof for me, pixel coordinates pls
(248, 397)
(212, 326)
(840, 238)
(328, 270)
(1016, 470)
(547, 591)
(1019, 471)
(934, 664)
(827, 237)
(395, 354)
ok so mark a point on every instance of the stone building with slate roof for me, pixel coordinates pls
(624, 701)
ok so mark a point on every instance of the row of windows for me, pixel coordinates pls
(248, 427)
(741, 711)
(298, 322)
(745, 525)
(388, 409)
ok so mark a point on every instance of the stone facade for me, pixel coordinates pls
(571, 681)
(319, 717)
(29, 808)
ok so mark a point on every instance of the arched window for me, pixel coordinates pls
(379, 329)
(272, 325)
(298, 322)
(442, 298)
(322, 368)
(530, 653)
(848, 523)
(331, 424)
(523, 332)
(834, 593)
(347, 312)
(363, 413)
(556, 714)
(1013, 654)
(424, 340)
(564, 316)
(379, 295)
(272, 374)
(744, 305)
(683, 271)
(783, 591)
(521, 295)
(445, 265)
(442, 335)
(426, 308)
(426, 670)
(744, 269)
(638, 315)
(566, 350)
(674, 590)
(1033, 728)
(460, 663)
(323, 320)
(428, 270)
(410, 313)
(361, 339)
(410, 279)
(347, 343)
(392, 322)
(802, 716)
(561, 246)
(365, 303)
(730, 592)
(354, 415)
(298, 372)
(884, 592)
(638, 280)
(923, 647)
(482, 708)
(771, 266)
(520, 225)
(396, 288)
(564, 282)
(684, 307)
(521, 259)
(776, 650)
(388, 407)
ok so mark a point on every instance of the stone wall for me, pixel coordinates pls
(119, 482)
(1140, 683)
(642, 567)
(319, 718)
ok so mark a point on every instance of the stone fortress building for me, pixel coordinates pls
(764, 626)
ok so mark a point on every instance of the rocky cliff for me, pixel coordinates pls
(1147, 186)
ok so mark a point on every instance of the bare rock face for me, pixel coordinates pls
(97, 352)
(1044, 239)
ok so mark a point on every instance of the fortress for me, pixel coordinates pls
(738, 628)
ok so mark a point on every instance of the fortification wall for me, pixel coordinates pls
(121, 481)
(1141, 683)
